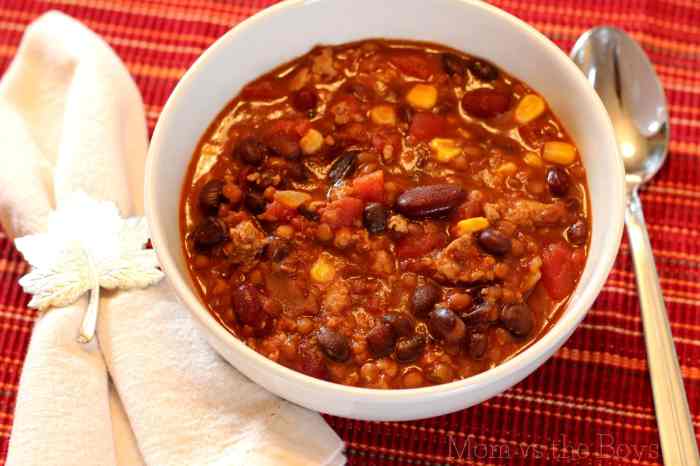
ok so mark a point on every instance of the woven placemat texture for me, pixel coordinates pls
(591, 404)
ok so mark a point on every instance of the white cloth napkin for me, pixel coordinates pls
(151, 391)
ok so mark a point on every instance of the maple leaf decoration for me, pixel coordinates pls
(88, 245)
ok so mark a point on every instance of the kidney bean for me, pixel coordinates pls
(446, 325)
(248, 308)
(424, 298)
(410, 349)
(255, 203)
(251, 151)
(453, 64)
(557, 181)
(211, 196)
(477, 344)
(577, 233)
(209, 232)
(344, 166)
(486, 103)
(381, 340)
(494, 242)
(374, 217)
(483, 70)
(277, 249)
(430, 200)
(333, 344)
(517, 319)
(400, 322)
(305, 100)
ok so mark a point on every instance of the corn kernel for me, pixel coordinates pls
(508, 168)
(311, 142)
(292, 199)
(323, 271)
(531, 159)
(445, 149)
(530, 107)
(383, 115)
(471, 225)
(423, 96)
(558, 152)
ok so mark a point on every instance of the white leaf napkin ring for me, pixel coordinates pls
(88, 245)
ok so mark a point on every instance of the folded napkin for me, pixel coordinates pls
(150, 390)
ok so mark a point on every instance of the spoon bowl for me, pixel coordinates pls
(625, 79)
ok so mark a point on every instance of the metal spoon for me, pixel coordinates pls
(624, 78)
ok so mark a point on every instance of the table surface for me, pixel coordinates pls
(591, 403)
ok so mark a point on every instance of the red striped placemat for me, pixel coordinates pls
(591, 403)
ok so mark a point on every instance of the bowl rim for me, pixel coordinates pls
(535, 353)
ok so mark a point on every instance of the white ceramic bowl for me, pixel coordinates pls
(290, 29)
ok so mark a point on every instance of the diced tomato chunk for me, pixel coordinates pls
(412, 65)
(370, 188)
(559, 270)
(343, 212)
(410, 247)
(426, 126)
(278, 212)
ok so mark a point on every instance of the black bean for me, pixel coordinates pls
(209, 232)
(410, 349)
(400, 322)
(517, 319)
(557, 181)
(343, 167)
(424, 298)
(277, 249)
(381, 340)
(255, 203)
(211, 196)
(251, 151)
(483, 70)
(305, 99)
(494, 242)
(249, 310)
(446, 325)
(453, 64)
(333, 344)
(577, 233)
(477, 344)
(374, 217)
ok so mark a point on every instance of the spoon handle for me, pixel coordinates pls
(678, 442)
